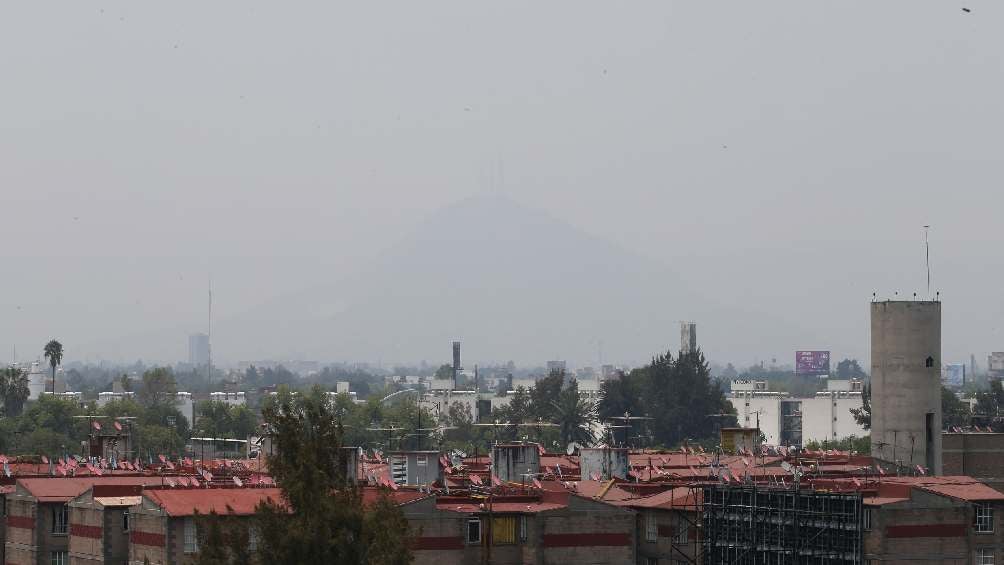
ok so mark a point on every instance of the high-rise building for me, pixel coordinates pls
(688, 337)
(906, 383)
(198, 350)
(555, 366)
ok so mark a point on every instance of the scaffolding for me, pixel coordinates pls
(749, 524)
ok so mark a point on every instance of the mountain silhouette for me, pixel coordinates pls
(510, 281)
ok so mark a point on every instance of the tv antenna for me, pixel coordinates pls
(927, 253)
(209, 336)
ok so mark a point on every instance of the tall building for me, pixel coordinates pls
(906, 383)
(556, 366)
(688, 337)
(198, 350)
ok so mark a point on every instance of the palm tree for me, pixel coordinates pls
(54, 353)
(14, 390)
(575, 416)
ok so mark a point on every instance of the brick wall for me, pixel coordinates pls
(928, 528)
(147, 536)
(86, 532)
(977, 455)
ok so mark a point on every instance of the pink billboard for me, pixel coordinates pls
(812, 362)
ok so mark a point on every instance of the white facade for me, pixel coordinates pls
(105, 397)
(230, 398)
(37, 381)
(786, 420)
(439, 402)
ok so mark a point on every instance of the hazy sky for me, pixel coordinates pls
(782, 156)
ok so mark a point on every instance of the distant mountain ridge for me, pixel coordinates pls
(510, 281)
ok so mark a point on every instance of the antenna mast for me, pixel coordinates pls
(209, 377)
(927, 251)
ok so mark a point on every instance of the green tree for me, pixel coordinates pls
(850, 369)
(678, 394)
(575, 416)
(219, 419)
(13, 390)
(543, 394)
(988, 402)
(954, 412)
(158, 388)
(863, 415)
(860, 445)
(223, 540)
(54, 353)
(320, 518)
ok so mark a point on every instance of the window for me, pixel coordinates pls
(866, 519)
(59, 558)
(253, 538)
(60, 518)
(985, 556)
(191, 541)
(421, 460)
(929, 362)
(983, 518)
(651, 527)
(522, 528)
(125, 521)
(474, 531)
(682, 532)
(504, 530)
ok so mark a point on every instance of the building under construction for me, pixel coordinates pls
(760, 524)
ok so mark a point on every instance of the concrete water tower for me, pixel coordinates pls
(906, 383)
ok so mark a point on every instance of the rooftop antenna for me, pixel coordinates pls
(209, 335)
(927, 251)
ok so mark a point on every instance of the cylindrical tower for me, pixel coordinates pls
(906, 383)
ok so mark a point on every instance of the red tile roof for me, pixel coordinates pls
(62, 489)
(229, 501)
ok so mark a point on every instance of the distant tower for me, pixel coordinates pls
(688, 337)
(906, 383)
(198, 350)
(457, 367)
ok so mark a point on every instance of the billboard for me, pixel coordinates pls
(812, 363)
(955, 374)
(995, 363)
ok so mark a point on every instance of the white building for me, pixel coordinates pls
(439, 401)
(788, 421)
(37, 381)
(229, 398)
(105, 397)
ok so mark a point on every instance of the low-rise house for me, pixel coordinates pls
(162, 527)
(38, 516)
(538, 526)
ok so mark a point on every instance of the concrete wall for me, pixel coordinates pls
(828, 417)
(906, 383)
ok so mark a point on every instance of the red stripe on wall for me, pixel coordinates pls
(85, 531)
(438, 543)
(928, 531)
(586, 540)
(25, 522)
(146, 538)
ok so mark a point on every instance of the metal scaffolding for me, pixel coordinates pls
(748, 524)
